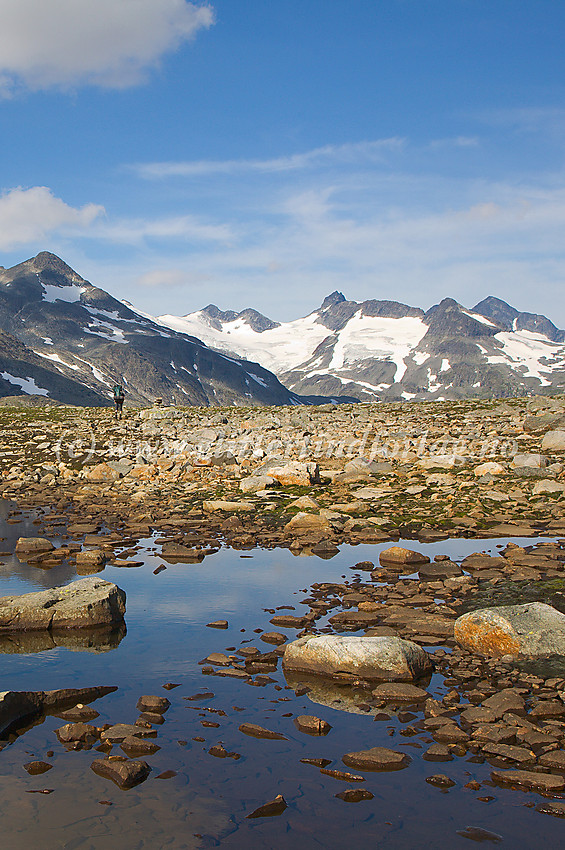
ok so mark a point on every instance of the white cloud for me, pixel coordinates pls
(167, 278)
(185, 228)
(352, 154)
(31, 215)
(112, 43)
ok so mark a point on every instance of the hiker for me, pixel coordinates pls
(119, 396)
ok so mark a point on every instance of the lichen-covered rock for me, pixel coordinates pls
(379, 658)
(533, 629)
(82, 604)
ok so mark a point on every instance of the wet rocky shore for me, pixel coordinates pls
(183, 484)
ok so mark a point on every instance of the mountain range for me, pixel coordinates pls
(64, 339)
(388, 351)
(69, 341)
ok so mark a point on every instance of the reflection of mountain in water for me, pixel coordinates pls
(340, 696)
(101, 639)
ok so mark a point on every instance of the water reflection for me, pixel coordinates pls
(101, 639)
(340, 696)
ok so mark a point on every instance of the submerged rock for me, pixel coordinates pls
(534, 629)
(382, 657)
(81, 604)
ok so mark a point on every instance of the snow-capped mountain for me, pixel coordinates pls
(384, 350)
(65, 339)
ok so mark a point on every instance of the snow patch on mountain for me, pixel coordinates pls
(28, 385)
(70, 294)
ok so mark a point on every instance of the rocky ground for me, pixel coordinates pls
(314, 478)
(295, 476)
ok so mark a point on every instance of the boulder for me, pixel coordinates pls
(82, 604)
(90, 561)
(488, 468)
(531, 460)
(304, 523)
(398, 556)
(554, 441)
(293, 473)
(439, 569)
(255, 483)
(546, 487)
(102, 473)
(533, 629)
(32, 547)
(380, 658)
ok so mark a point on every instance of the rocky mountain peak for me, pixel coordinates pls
(331, 300)
(45, 261)
(513, 320)
(451, 319)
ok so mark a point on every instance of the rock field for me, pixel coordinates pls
(311, 479)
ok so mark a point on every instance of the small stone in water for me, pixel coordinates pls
(355, 795)
(440, 780)
(271, 809)
(35, 768)
(476, 833)
(167, 774)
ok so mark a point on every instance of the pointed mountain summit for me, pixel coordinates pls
(331, 300)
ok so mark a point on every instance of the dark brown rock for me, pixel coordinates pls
(256, 731)
(126, 773)
(377, 758)
(271, 809)
(311, 725)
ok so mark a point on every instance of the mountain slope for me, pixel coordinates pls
(384, 350)
(85, 340)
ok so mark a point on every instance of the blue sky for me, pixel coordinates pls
(264, 153)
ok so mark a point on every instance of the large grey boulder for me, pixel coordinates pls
(382, 658)
(554, 441)
(20, 707)
(533, 629)
(82, 604)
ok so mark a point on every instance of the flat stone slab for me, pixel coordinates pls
(382, 658)
(377, 758)
(547, 782)
(534, 629)
(399, 692)
(82, 604)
